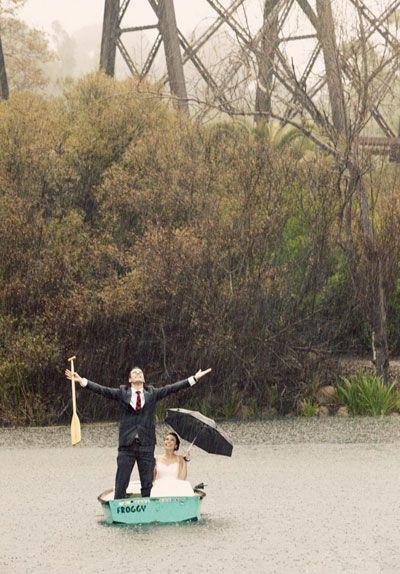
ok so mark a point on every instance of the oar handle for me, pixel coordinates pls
(71, 360)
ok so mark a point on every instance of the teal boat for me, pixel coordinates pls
(137, 510)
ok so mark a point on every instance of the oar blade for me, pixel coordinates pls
(75, 430)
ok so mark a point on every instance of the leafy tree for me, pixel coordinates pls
(129, 234)
(26, 49)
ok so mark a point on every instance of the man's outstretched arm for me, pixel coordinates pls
(94, 387)
(185, 384)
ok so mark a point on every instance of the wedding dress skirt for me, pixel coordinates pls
(168, 483)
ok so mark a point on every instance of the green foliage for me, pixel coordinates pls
(25, 358)
(26, 49)
(367, 395)
(130, 235)
(254, 407)
(229, 408)
(307, 408)
(283, 138)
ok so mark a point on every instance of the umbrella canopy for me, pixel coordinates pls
(200, 430)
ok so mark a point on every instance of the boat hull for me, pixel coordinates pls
(151, 510)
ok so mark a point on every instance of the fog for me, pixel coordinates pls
(76, 14)
(74, 31)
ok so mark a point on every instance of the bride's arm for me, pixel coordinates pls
(182, 474)
(155, 469)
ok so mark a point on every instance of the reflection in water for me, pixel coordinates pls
(296, 496)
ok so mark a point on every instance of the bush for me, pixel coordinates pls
(131, 235)
(28, 394)
(367, 395)
(307, 408)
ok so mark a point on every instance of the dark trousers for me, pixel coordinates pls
(127, 456)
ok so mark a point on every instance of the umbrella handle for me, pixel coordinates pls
(194, 440)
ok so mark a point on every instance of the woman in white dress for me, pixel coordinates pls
(170, 470)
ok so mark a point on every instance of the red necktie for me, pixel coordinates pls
(138, 401)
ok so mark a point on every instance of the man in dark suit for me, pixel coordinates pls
(137, 433)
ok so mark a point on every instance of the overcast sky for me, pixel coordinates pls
(192, 16)
(76, 14)
(72, 14)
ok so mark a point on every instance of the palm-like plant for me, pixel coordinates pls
(367, 395)
(283, 137)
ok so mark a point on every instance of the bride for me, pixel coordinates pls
(170, 470)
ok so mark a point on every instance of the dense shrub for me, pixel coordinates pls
(367, 395)
(130, 235)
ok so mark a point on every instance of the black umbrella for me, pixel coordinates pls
(199, 430)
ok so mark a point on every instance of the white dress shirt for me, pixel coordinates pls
(134, 396)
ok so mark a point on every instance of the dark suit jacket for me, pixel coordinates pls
(137, 423)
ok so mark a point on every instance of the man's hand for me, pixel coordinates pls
(73, 376)
(201, 373)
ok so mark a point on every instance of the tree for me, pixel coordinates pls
(26, 50)
(127, 230)
(4, 92)
(356, 84)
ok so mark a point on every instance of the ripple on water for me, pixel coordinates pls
(284, 430)
(296, 496)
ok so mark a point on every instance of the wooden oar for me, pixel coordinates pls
(75, 424)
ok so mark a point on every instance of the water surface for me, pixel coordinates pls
(297, 495)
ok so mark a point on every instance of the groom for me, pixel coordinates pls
(137, 434)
